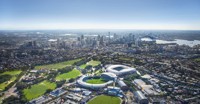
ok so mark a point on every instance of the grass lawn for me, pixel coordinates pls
(83, 66)
(72, 74)
(1, 100)
(94, 63)
(125, 59)
(15, 72)
(13, 78)
(104, 99)
(59, 65)
(197, 59)
(96, 81)
(38, 89)
(98, 72)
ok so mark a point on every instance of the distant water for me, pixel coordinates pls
(52, 40)
(69, 34)
(146, 39)
(179, 42)
(111, 36)
(95, 35)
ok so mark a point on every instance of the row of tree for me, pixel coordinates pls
(81, 62)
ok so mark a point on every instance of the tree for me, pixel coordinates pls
(14, 100)
(60, 83)
(4, 78)
(88, 67)
(84, 71)
(66, 69)
(71, 80)
(21, 85)
(48, 90)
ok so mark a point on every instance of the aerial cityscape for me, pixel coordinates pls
(100, 52)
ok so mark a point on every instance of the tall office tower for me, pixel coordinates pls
(78, 39)
(101, 41)
(82, 37)
(94, 42)
(63, 44)
(115, 36)
(130, 37)
(30, 44)
(133, 38)
(58, 42)
(137, 42)
(34, 43)
(98, 38)
(109, 36)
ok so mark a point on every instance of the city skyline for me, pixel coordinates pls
(104, 14)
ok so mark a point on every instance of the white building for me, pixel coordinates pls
(120, 69)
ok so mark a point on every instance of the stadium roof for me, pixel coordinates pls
(124, 70)
(88, 85)
(110, 74)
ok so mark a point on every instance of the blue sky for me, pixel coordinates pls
(100, 14)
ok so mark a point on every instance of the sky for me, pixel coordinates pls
(100, 14)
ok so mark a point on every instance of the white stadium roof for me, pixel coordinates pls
(110, 74)
(124, 70)
(88, 85)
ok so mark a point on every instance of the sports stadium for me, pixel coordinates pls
(120, 69)
(106, 78)
(96, 82)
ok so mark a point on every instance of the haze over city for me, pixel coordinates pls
(99, 51)
(100, 14)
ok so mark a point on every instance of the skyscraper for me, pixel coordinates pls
(101, 41)
(82, 37)
(109, 37)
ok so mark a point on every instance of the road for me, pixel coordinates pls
(11, 91)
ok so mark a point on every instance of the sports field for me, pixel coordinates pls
(13, 75)
(59, 65)
(92, 63)
(38, 89)
(72, 74)
(104, 99)
(95, 81)
(83, 66)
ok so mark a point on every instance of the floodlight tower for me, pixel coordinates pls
(114, 81)
(109, 37)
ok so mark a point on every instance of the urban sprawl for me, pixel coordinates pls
(99, 67)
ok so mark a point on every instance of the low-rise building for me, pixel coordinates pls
(140, 98)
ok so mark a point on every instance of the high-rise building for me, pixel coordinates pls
(109, 37)
(115, 36)
(78, 39)
(101, 41)
(34, 44)
(82, 37)
(131, 37)
(98, 38)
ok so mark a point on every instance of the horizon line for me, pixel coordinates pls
(99, 29)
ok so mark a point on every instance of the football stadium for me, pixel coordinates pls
(120, 69)
(94, 82)
(106, 78)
